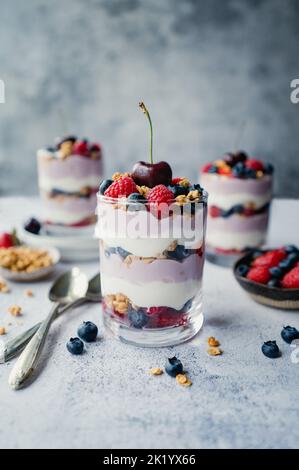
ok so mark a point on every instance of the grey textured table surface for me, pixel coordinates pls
(107, 399)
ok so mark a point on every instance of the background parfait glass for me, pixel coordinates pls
(151, 264)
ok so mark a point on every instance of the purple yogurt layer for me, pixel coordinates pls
(74, 166)
(240, 224)
(164, 270)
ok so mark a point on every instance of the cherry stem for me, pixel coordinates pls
(144, 109)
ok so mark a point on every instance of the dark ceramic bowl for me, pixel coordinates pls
(275, 297)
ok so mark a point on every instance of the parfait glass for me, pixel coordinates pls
(151, 264)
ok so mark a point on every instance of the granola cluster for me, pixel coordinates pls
(24, 259)
(118, 302)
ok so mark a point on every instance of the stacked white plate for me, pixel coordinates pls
(74, 244)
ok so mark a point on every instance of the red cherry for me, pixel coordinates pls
(152, 174)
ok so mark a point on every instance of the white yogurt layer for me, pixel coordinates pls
(235, 241)
(149, 294)
(59, 216)
(227, 201)
(70, 185)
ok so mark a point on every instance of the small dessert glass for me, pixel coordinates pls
(151, 264)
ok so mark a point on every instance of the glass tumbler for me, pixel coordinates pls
(151, 264)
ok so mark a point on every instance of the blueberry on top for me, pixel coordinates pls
(178, 190)
(75, 346)
(290, 249)
(136, 197)
(137, 318)
(270, 349)
(213, 169)
(293, 257)
(174, 367)
(105, 185)
(289, 333)
(88, 331)
(268, 168)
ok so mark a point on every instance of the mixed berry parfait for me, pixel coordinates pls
(151, 230)
(68, 176)
(240, 192)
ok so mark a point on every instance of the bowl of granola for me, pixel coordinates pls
(24, 263)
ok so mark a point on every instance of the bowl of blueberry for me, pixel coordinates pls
(271, 276)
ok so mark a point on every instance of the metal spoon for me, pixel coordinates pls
(16, 345)
(68, 288)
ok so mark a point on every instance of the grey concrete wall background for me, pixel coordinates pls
(203, 67)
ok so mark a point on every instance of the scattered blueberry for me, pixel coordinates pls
(274, 283)
(242, 269)
(75, 346)
(88, 331)
(33, 226)
(276, 272)
(289, 333)
(270, 349)
(290, 249)
(137, 318)
(268, 168)
(174, 367)
(105, 185)
(213, 169)
(227, 213)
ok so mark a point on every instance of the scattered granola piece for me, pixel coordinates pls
(213, 341)
(214, 351)
(2, 331)
(4, 287)
(182, 379)
(156, 371)
(15, 310)
(29, 293)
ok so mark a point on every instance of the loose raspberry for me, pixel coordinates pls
(214, 211)
(254, 165)
(259, 274)
(81, 148)
(269, 259)
(160, 193)
(122, 187)
(291, 279)
(205, 168)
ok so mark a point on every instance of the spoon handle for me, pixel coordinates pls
(29, 357)
(16, 345)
